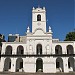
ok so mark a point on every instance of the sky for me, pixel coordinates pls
(16, 16)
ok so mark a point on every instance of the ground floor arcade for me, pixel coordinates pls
(38, 64)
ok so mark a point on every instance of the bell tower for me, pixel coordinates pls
(38, 19)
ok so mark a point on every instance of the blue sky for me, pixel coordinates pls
(16, 15)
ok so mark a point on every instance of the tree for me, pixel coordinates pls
(70, 36)
(2, 39)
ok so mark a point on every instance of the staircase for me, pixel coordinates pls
(23, 73)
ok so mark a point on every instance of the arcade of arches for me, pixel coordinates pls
(58, 50)
(39, 64)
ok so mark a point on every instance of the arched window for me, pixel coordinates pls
(58, 49)
(20, 50)
(38, 17)
(59, 64)
(39, 65)
(8, 50)
(39, 49)
(19, 64)
(70, 49)
(71, 63)
(7, 64)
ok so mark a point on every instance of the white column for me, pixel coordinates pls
(29, 65)
(64, 50)
(3, 48)
(43, 47)
(33, 46)
(65, 64)
(25, 49)
(49, 65)
(43, 43)
(13, 64)
(74, 47)
(53, 49)
(2, 64)
(14, 50)
(74, 63)
(27, 46)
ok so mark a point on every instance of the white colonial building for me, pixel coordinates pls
(37, 51)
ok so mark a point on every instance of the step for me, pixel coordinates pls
(23, 73)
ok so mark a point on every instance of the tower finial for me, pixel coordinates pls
(28, 29)
(49, 29)
(44, 8)
(33, 8)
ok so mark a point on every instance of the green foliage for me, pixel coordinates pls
(70, 36)
(2, 39)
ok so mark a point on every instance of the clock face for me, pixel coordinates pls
(38, 24)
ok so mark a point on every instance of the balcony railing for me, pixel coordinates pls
(43, 55)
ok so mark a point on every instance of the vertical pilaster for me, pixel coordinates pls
(2, 64)
(13, 64)
(65, 64)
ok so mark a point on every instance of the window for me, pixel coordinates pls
(8, 50)
(58, 49)
(20, 50)
(39, 49)
(70, 49)
(38, 17)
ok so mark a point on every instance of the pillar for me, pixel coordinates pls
(65, 64)
(13, 64)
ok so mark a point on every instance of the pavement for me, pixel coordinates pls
(23, 73)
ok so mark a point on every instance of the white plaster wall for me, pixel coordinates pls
(65, 64)
(13, 64)
(36, 26)
(2, 64)
(49, 65)
(29, 64)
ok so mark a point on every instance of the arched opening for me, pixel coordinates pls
(70, 49)
(19, 65)
(7, 64)
(38, 17)
(58, 49)
(59, 65)
(71, 64)
(20, 50)
(8, 50)
(39, 49)
(39, 65)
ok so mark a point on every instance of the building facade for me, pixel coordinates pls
(37, 51)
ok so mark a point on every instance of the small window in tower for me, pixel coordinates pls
(38, 17)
